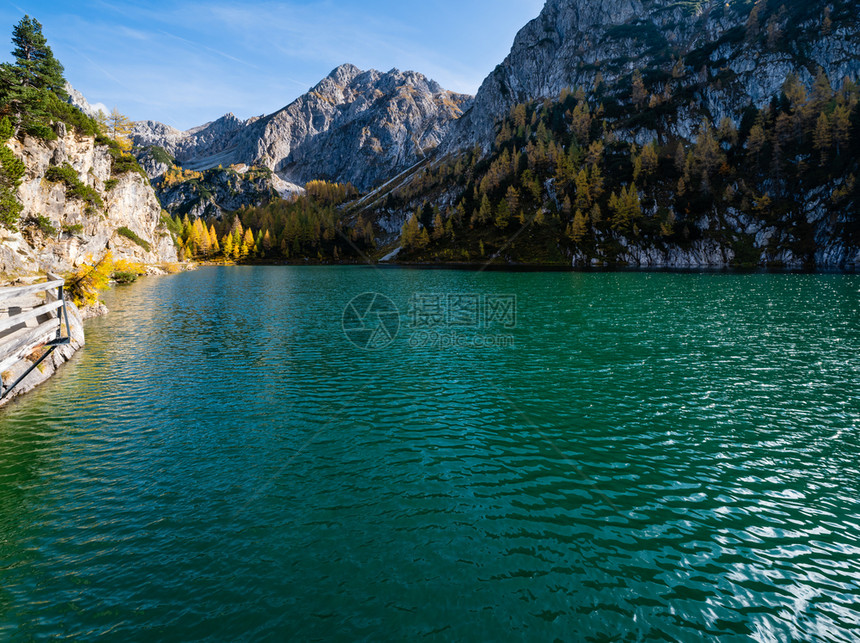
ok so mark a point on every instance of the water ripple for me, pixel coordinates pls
(659, 456)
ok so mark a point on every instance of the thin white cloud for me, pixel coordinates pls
(135, 34)
(198, 45)
(101, 68)
(16, 7)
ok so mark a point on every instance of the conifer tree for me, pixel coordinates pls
(727, 132)
(626, 208)
(649, 159)
(423, 238)
(794, 91)
(518, 113)
(639, 94)
(595, 182)
(503, 215)
(213, 240)
(707, 155)
(485, 213)
(826, 22)
(822, 91)
(756, 141)
(531, 184)
(578, 228)
(512, 197)
(583, 190)
(595, 153)
(636, 160)
(581, 122)
(84, 284)
(201, 238)
(12, 172)
(841, 128)
(438, 226)
(35, 65)
(667, 227)
(680, 157)
(823, 138)
(236, 227)
(566, 207)
(409, 232)
(118, 127)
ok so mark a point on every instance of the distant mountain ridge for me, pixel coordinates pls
(357, 126)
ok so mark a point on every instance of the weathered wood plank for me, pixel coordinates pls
(20, 291)
(11, 352)
(15, 320)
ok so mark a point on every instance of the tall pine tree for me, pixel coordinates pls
(35, 65)
(34, 82)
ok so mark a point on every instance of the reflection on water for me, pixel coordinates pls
(660, 456)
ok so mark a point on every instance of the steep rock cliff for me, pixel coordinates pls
(742, 50)
(749, 91)
(59, 229)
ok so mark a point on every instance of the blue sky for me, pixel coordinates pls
(185, 62)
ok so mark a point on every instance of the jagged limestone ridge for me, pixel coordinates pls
(356, 126)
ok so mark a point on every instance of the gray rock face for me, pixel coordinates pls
(217, 192)
(222, 142)
(83, 233)
(78, 100)
(357, 126)
(150, 164)
(572, 41)
(720, 61)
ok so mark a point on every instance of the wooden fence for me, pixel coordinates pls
(23, 330)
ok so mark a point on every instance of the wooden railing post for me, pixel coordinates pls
(62, 314)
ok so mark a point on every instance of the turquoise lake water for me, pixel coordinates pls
(521, 456)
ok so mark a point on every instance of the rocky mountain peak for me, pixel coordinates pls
(354, 125)
(77, 99)
(344, 74)
(225, 124)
